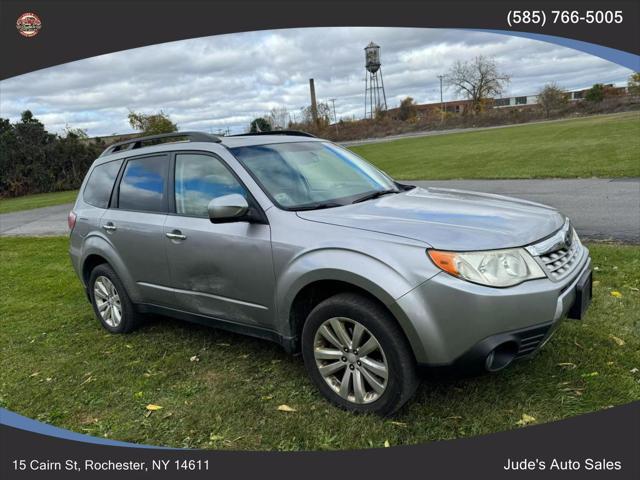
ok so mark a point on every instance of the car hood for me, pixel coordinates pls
(448, 219)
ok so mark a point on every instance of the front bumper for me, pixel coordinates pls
(450, 321)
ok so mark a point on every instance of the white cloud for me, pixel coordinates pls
(224, 81)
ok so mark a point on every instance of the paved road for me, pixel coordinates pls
(600, 209)
(39, 221)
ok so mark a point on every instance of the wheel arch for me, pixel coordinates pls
(315, 291)
(97, 250)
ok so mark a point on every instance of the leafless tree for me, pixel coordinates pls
(279, 118)
(551, 98)
(478, 79)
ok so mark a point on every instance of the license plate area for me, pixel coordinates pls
(584, 292)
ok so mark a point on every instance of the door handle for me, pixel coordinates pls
(110, 227)
(176, 235)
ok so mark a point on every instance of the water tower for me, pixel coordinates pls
(374, 94)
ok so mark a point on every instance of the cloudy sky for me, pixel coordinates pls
(221, 82)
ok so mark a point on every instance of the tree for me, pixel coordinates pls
(595, 94)
(278, 118)
(478, 79)
(152, 124)
(407, 110)
(634, 84)
(259, 124)
(551, 98)
(324, 115)
(33, 160)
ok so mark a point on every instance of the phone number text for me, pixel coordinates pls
(540, 17)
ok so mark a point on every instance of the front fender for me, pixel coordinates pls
(350, 266)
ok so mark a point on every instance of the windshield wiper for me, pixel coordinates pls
(319, 206)
(372, 195)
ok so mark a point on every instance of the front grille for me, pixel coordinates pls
(561, 262)
(531, 339)
(559, 254)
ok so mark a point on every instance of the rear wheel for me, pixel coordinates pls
(110, 301)
(357, 355)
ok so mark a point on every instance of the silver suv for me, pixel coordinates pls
(294, 239)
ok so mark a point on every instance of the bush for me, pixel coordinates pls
(407, 110)
(33, 160)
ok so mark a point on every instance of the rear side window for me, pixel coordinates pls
(143, 184)
(100, 184)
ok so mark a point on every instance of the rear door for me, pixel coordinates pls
(135, 224)
(222, 270)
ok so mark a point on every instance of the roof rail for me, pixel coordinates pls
(137, 142)
(293, 133)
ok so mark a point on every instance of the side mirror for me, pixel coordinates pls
(228, 208)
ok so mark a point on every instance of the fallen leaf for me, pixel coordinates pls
(286, 408)
(592, 374)
(152, 408)
(525, 420)
(215, 438)
(223, 344)
(618, 340)
(34, 374)
(400, 424)
(634, 370)
(634, 289)
(616, 293)
(266, 397)
(386, 444)
(567, 365)
(138, 395)
(194, 359)
(596, 283)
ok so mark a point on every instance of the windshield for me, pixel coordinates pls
(312, 174)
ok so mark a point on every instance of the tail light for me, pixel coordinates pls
(71, 219)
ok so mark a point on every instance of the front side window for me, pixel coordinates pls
(199, 179)
(143, 184)
(303, 174)
(98, 189)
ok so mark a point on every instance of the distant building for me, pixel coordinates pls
(519, 101)
(572, 96)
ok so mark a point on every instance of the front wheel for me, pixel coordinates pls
(357, 355)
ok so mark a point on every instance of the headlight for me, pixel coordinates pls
(495, 268)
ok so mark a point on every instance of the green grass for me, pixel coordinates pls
(59, 366)
(598, 146)
(38, 200)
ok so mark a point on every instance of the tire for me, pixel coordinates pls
(365, 365)
(107, 279)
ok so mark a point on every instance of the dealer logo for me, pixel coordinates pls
(28, 24)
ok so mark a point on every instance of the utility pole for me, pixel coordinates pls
(441, 100)
(335, 119)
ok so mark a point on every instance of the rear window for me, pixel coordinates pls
(100, 184)
(143, 184)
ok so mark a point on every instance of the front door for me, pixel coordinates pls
(223, 270)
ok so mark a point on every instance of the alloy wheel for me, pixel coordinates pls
(351, 360)
(107, 301)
